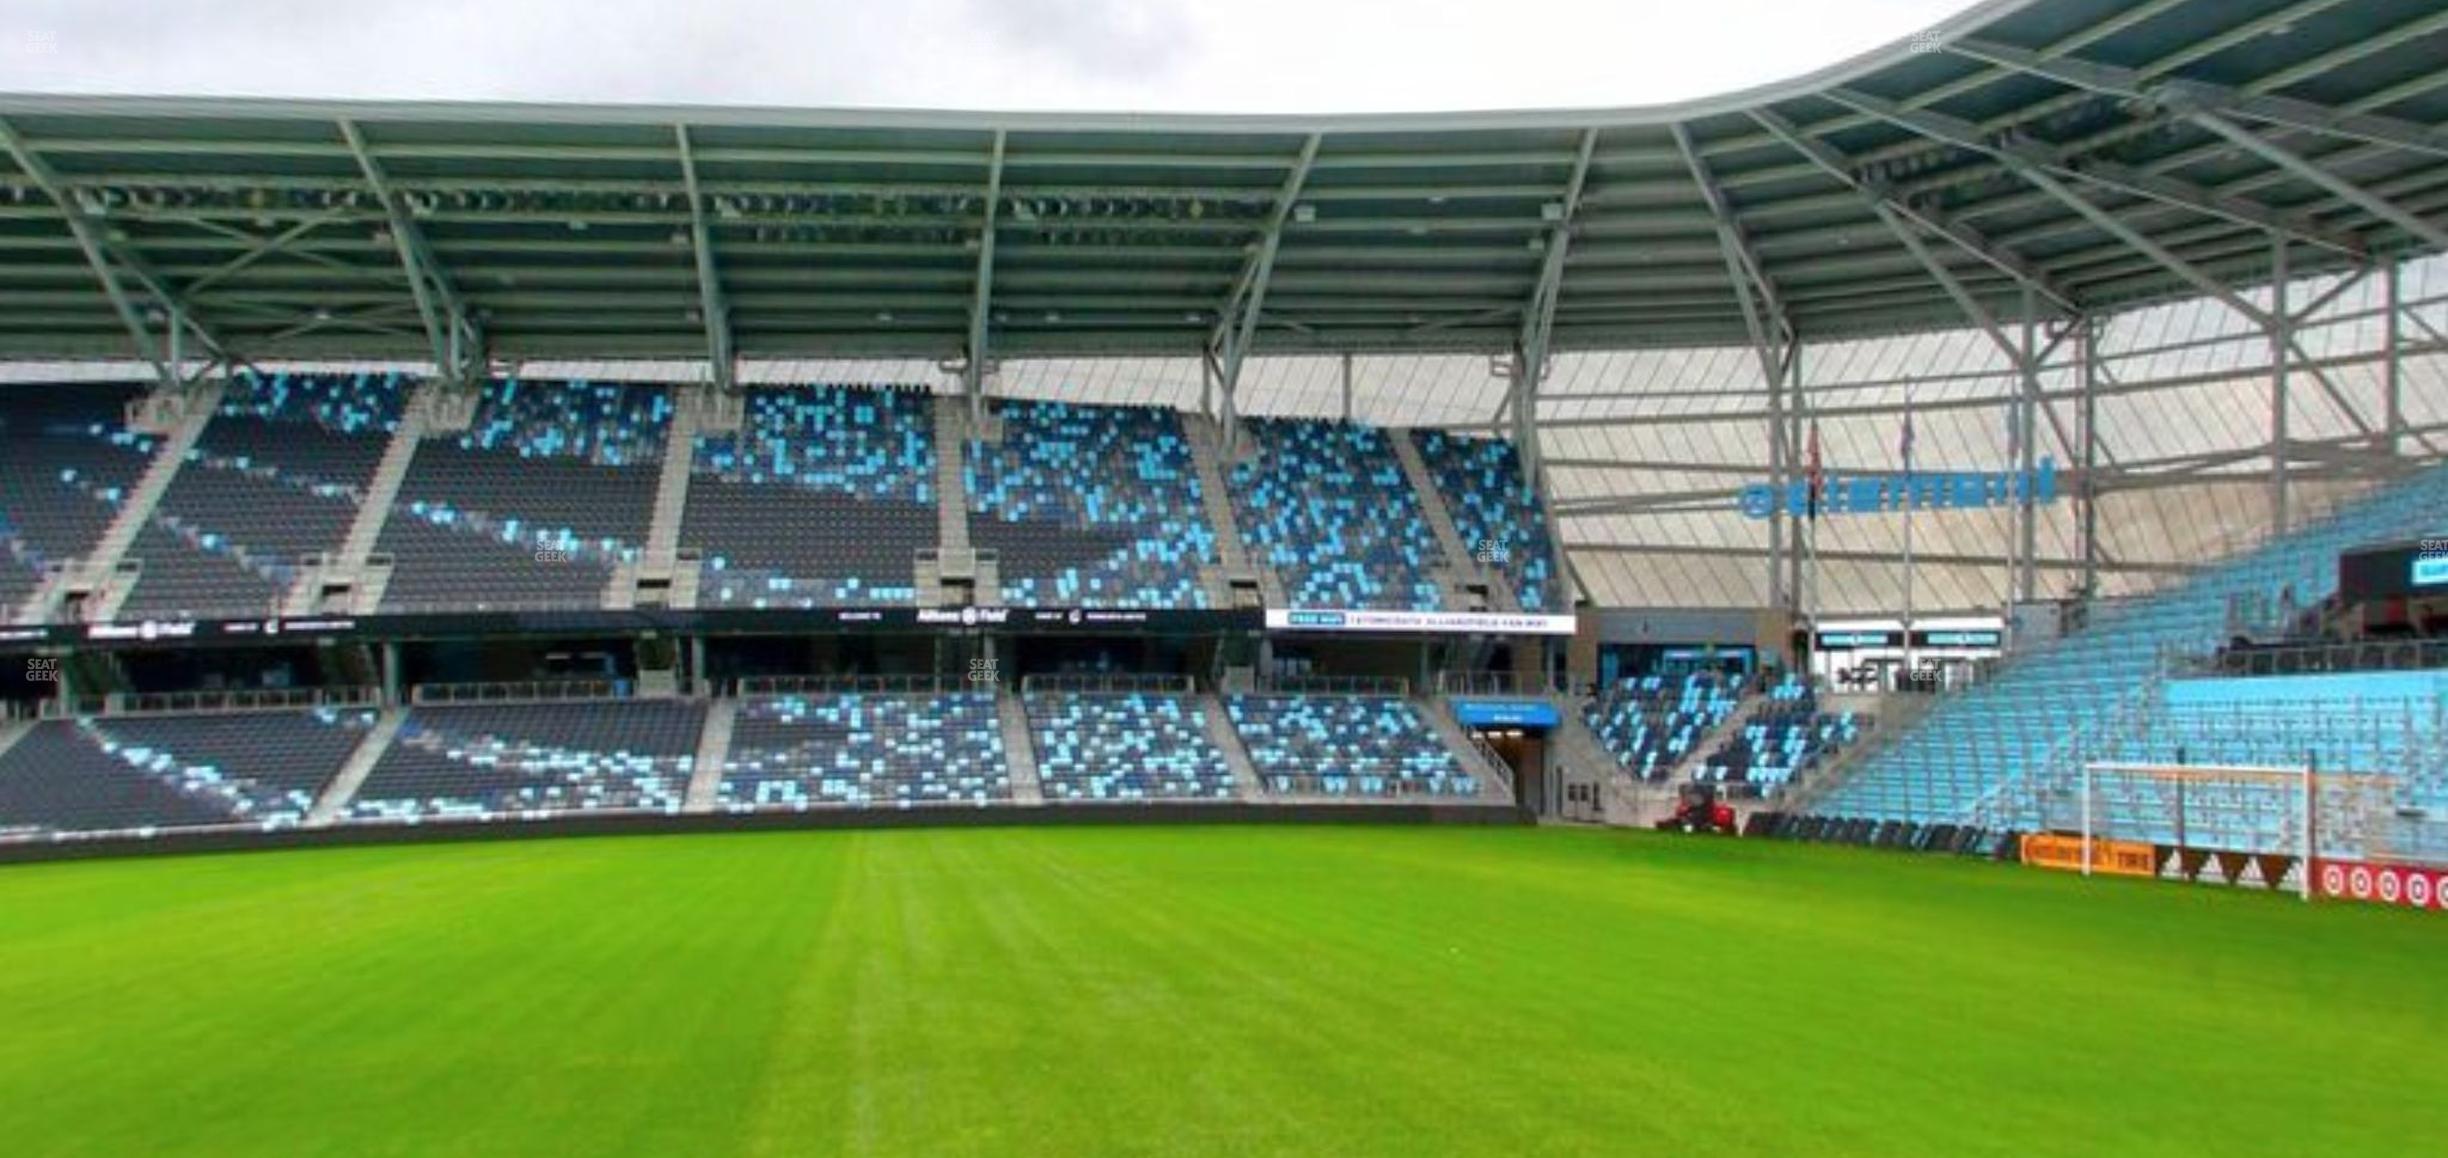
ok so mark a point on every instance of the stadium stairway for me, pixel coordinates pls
(1236, 754)
(12, 731)
(951, 490)
(1576, 747)
(1233, 554)
(1019, 749)
(1495, 780)
(330, 806)
(713, 748)
(660, 556)
(179, 417)
(1461, 570)
(348, 564)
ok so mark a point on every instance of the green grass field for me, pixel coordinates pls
(1225, 991)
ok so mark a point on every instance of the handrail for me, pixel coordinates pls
(1115, 683)
(222, 702)
(1315, 685)
(846, 684)
(2320, 658)
(1490, 683)
(527, 691)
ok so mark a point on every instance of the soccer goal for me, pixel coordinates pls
(2250, 824)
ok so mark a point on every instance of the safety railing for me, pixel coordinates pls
(222, 702)
(1114, 683)
(2319, 658)
(520, 692)
(1491, 683)
(1313, 685)
(884, 685)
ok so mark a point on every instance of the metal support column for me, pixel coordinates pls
(2088, 492)
(1347, 387)
(2393, 360)
(1797, 399)
(973, 374)
(2027, 463)
(2281, 330)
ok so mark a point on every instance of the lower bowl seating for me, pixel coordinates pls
(140, 773)
(1650, 723)
(1365, 746)
(524, 760)
(1125, 746)
(864, 751)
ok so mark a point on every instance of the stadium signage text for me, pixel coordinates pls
(1870, 494)
(1422, 622)
(1506, 714)
(2431, 570)
(2120, 858)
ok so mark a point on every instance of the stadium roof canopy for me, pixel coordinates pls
(2078, 154)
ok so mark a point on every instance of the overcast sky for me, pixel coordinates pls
(1174, 55)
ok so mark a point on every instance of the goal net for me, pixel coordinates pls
(2271, 825)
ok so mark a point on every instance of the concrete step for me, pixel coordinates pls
(1236, 754)
(951, 493)
(1214, 490)
(713, 747)
(347, 564)
(343, 788)
(12, 731)
(1019, 749)
(178, 419)
(1462, 568)
(671, 484)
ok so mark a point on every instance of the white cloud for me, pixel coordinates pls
(1247, 55)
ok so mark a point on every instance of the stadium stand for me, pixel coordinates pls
(66, 463)
(1125, 746)
(551, 488)
(1091, 506)
(1347, 746)
(531, 759)
(1496, 512)
(1327, 506)
(1781, 739)
(823, 499)
(1650, 723)
(276, 477)
(864, 750)
(1971, 753)
(140, 773)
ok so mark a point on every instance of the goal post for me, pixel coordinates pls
(2279, 821)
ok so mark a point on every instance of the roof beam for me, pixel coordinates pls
(1538, 318)
(711, 305)
(2113, 226)
(2026, 157)
(1763, 315)
(1237, 323)
(449, 329)
(107, 260)
(973, 374)
(2112, 80)
(2344, 190)
(1964, 237)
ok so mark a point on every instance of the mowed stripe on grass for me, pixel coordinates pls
(1226, 991)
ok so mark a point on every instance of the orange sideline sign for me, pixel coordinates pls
(2122, 858)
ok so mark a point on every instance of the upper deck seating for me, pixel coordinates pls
(1496, 512)
(550, 489)
(1091, 506)
(823, 499)
(67, 462)
(1326, 505)
(277, 475)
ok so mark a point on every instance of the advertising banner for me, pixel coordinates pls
(2121, 858)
